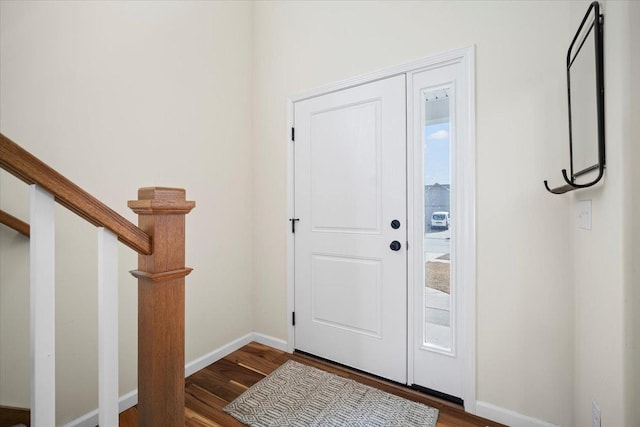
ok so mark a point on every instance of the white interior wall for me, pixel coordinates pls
(176, 77)
(631, 208)
(598, 254)
(116, 96)
(525, 349)
(14, 298)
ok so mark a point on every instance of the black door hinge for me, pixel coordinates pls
(293, 134)
(293, 318)
(293, 224)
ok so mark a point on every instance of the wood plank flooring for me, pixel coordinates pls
(10, 416)
(210, 389)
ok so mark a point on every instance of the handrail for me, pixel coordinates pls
(15, 223)
(22, 164)
(161, 290)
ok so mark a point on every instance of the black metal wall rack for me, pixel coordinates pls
(594, 29)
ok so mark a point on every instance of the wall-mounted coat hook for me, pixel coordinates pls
(571, 185)
(559, 190)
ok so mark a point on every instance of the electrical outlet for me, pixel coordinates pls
(595, 414)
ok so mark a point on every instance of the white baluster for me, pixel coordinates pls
(107, 328)
(43, 319)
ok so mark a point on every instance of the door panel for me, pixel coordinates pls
(346, 169)
(358, 283)
(350, 183)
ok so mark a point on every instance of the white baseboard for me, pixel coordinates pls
(217, 354)
(130, 399)
(270, 341)
(507, 417)
(87, 420)
(91, 419)
(125, 402)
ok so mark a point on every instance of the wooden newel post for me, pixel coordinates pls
(161, 306)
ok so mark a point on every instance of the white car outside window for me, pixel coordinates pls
(440, 220)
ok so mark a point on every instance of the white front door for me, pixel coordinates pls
(351, 234)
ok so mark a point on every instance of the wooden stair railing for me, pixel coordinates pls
(22, 164)
(161, 306)
(160, 243)
(15, 223)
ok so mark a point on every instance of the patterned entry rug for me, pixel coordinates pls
(300, 395)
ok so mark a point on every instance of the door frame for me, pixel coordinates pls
(467, 157)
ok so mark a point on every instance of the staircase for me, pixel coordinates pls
(159, 239)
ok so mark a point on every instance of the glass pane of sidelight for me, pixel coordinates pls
(438, 292)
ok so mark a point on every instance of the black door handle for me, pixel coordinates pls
(395, 245)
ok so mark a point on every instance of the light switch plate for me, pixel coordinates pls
(596, 416)
(584, 214)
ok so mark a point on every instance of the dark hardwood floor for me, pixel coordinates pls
(209, 390)
(10, 416)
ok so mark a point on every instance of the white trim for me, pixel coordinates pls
(467, 56)
(270, 341)
(427, 62)
(468, 154)
(411, 244)
(127, 401)
(130, 399)
(91, 419)
(507, 417)
(290, 236)
(107, 327)
(42, 306)
(217, 354)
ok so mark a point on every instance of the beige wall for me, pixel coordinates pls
(548, 293)
(599, 253)
(116, 96)
(525, 297)
(106, 83)
(632, 232)
(14, 299)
